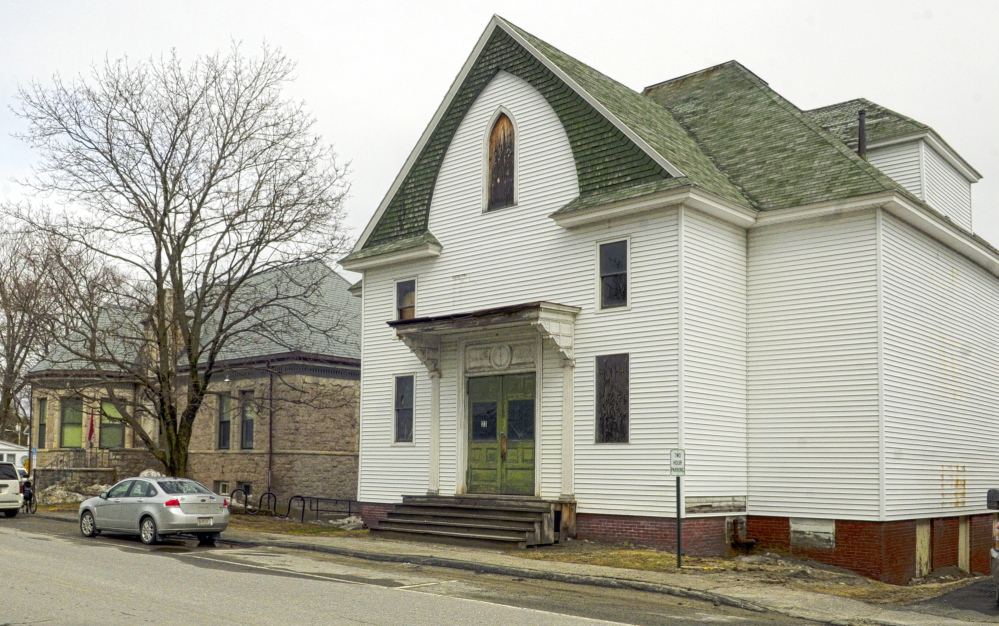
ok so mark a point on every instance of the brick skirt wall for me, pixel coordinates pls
(702, 536)
(372, 512)
(884, 551)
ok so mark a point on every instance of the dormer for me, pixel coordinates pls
(910, 152)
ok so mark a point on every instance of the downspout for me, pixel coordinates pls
(270, 423)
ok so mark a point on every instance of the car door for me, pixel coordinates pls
(131, 505)
(107, 512)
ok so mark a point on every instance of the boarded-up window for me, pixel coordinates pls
(404, 409)
(405, 299)
(613, 274)
(501, 164)
(612, 398)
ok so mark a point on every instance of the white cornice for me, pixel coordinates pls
(420, 251)
(687, 195)
(823, 209)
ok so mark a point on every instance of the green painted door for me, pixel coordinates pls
(501, 434)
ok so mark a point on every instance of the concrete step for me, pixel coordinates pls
(479, 502)
(454, 538)
(495, 514)
(479, 530)
(467, 520)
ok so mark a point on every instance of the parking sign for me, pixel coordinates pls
(677, 462)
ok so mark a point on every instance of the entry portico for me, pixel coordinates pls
(489, 372)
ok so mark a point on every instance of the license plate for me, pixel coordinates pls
(204, 521)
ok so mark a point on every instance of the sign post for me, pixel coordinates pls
(678, 467)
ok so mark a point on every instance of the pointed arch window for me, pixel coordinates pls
(501, 164)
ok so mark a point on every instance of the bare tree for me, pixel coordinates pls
(27, 304)
(197, 194)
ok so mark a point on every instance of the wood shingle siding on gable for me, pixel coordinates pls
(941, 332)
(604, 156)
(813, 369)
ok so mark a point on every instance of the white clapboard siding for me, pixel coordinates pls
(941, 341)
(902, 162)
(518, 255)
(714, 357)
(388, 470)
(946, 189)
(813, 369)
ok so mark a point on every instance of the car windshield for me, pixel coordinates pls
(7, 472)
(174, 487)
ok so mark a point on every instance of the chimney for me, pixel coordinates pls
(862, 134)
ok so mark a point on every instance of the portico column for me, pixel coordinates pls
(433, 480)
(568, 450)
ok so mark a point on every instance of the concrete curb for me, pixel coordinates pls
(517, 572)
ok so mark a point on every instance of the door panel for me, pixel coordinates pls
(502, 423)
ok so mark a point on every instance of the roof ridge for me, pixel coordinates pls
(711, 68)
(817, 128)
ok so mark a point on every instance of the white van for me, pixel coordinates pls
(10, 489)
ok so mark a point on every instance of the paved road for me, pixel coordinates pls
(63, 578)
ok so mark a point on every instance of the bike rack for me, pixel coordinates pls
(313, 504)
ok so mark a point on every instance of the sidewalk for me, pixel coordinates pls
(802, 604)
(818, 607)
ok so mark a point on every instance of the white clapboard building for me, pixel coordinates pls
(568, 279)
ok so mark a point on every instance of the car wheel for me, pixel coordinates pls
(147, 531)
(10, 512)
(87, 526)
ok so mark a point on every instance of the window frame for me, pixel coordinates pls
(243, 404)
(62, 421)
(501, 110)
(598, 279)
(596, 401)
(395, 296)
(395, 416)
(43, 411)
(109, 422)
(227, 411)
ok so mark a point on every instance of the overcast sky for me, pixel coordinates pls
(373, 73)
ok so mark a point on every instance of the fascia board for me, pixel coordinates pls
(936, 142)
(427, 132)
(694, 198)
(946, 233)
(641, 143)
(423, 251)
(823, 209)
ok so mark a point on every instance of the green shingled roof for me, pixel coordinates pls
(722, 129)
(882, 123)
(778, 155)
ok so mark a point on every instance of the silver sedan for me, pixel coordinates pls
(156, 507)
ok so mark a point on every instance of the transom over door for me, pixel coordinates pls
(501, 434)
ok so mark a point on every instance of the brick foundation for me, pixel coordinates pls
(884, 551)
(372, 512)
(702, 536)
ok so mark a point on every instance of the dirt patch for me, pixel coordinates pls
(268, 524)
(753, 569)
(61, 506)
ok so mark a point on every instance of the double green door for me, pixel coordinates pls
(501, 434)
